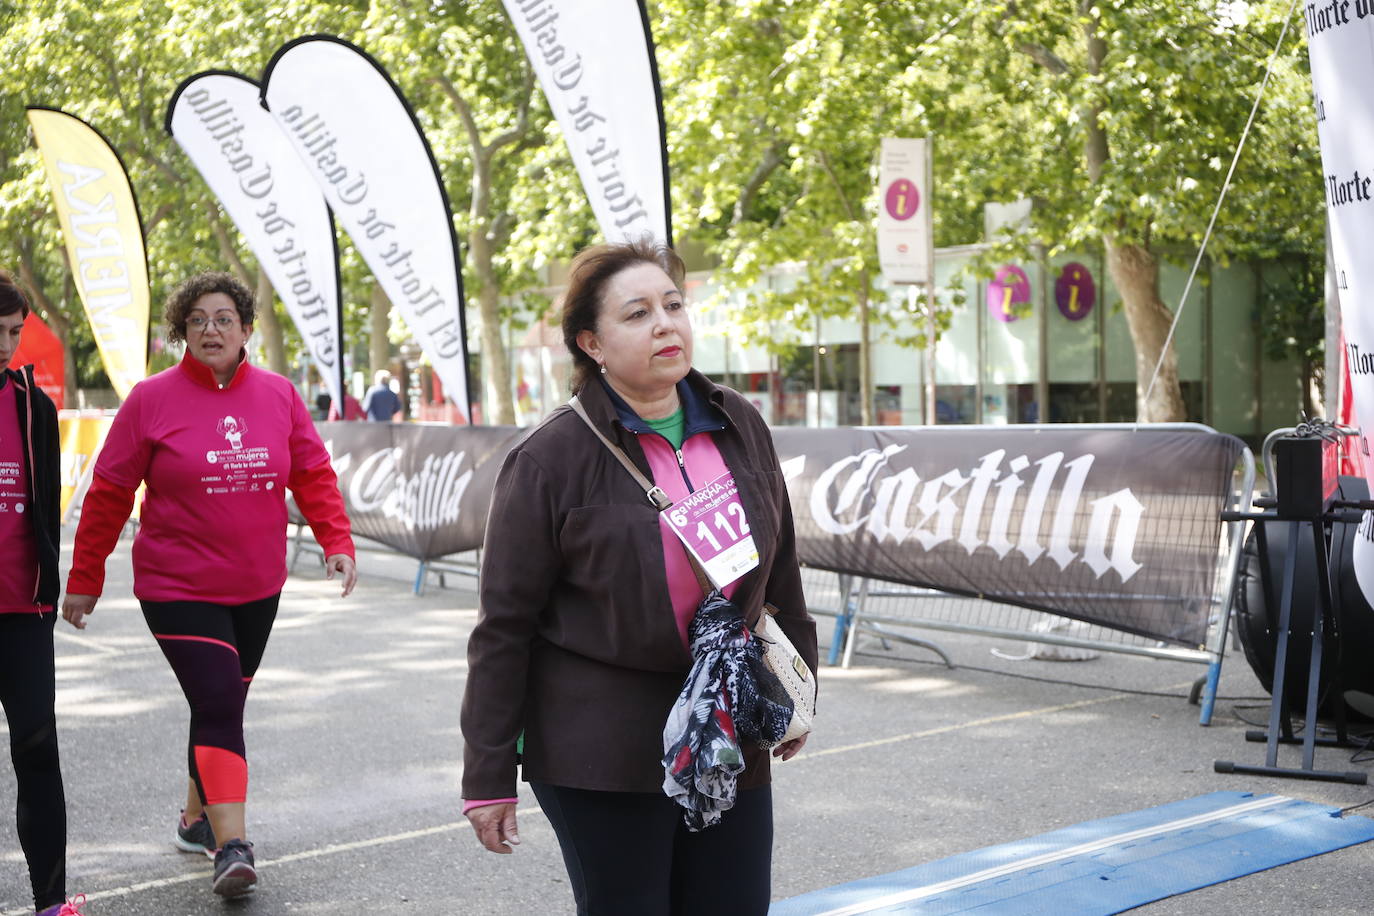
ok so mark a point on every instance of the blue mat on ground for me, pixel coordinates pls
(1105, 866)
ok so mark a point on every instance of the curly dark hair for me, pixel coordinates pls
(180, 302)
(591, 270)
(12, 296)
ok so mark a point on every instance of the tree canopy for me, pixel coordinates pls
(1117, 119)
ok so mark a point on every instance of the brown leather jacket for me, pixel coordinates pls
(576, 643)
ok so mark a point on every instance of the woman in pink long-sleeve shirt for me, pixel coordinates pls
(217, 441)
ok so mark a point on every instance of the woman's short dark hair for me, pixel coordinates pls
(12, 296)
(591, 270)
(186, 295)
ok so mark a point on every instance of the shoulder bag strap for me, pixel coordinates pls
(655, 494)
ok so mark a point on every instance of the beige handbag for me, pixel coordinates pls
(783, 659)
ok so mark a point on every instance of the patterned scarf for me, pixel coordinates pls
(728, 691)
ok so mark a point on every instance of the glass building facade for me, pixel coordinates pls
(1040, 339)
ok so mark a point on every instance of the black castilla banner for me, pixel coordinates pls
(421, 490)
(1118, 526)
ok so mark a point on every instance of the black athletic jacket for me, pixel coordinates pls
(38, 430)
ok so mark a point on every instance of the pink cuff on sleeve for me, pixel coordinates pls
(470, 803)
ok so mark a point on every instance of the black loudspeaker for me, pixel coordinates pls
(1347, 652)
(1298, 481)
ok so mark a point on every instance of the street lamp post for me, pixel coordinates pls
(410, 377)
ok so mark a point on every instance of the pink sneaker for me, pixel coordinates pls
(71, 908)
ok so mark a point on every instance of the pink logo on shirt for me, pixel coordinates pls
(232, 429)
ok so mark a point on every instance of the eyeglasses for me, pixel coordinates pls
(198, 322)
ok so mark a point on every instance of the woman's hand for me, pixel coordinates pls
(76, 608)
(495, 826)
(788, 749)
(343, 564)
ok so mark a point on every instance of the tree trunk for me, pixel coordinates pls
(931, 402)
(1312, 404)
(378, 326)
(485, 234)
(498, 401)
(865, 354)
(1135, 271)
(227, 251)
(56, 319)
(70, 373)
(269, 326)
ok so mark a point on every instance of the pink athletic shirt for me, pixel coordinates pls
(216, 462)
(19, 571)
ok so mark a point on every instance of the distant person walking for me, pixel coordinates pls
(217, 441)
(381, 403)
(326, 411)
(29, 519)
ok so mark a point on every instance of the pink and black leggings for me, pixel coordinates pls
(214, 650)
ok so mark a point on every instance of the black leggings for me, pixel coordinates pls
(214, 650)
(27, 690)
(630, 853)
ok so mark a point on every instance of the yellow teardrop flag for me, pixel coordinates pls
(104, 239)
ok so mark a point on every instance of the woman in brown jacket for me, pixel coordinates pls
(586, 598)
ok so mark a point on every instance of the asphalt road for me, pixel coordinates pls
(354, 749)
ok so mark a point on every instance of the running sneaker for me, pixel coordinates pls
(234, 871)
(71, 908)
(196, 836)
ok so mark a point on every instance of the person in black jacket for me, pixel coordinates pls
(585, 635)
(29, 501)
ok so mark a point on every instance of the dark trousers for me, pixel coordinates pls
(27, 691)
(214, 650)
(630, 853)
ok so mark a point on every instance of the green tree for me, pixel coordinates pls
(517, 204)
(1117, 119)
(1137, 111)
(512, 185)
(115, 65)
(775, 116)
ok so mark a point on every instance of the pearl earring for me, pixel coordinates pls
(603, 370)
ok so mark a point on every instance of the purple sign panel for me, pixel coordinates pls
(902, 199)
(1074, 291)
(1009, 294)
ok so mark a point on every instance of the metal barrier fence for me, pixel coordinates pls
(465, 564)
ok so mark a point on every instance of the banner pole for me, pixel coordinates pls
(662, 123)
(338, 304)
(932, 417)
